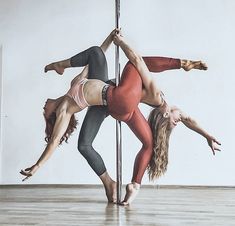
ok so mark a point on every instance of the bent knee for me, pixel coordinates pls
(83, 148)
(148, 145)
(96, 50)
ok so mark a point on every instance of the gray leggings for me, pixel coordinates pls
(95, 115)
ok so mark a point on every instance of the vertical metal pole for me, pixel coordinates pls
(118, 123)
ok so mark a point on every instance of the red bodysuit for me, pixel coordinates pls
(123, 103)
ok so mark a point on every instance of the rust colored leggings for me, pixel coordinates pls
(123, 105)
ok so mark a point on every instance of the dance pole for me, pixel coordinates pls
(118, 123)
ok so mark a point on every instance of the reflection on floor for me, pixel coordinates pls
(86, 205)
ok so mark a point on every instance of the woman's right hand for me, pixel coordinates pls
(213, 143)
(28, 172)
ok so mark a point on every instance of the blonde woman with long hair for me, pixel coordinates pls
(163, 118)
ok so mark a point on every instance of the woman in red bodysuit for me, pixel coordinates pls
(123, 105)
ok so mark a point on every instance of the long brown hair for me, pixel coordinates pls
(50, 123)
(161, 131)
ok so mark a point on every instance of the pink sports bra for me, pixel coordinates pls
(77, 94)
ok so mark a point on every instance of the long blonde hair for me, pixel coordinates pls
(161, 131)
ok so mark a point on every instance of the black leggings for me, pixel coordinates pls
(95, 114)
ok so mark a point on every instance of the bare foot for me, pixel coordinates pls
(132, 190)
(187, 65)
(54, 66)
(111, 191)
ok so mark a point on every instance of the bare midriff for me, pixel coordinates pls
(93, 91)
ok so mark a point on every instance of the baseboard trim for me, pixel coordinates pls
(93, 186)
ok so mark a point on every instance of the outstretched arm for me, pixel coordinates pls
(60, 127)
(193, 125)
(107, 42)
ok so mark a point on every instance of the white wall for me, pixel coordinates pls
(1, 116)
(34, 33)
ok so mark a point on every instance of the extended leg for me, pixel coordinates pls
(159, 64)
(94, 57)
(141, 129)
(94, 118)
(90, 127)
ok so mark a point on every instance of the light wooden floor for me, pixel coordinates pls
(86, 205)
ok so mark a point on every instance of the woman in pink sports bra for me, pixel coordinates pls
(136, 86)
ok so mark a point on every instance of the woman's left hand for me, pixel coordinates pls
(28, 172)
(213, 143)
(115, 31)
(117, 39)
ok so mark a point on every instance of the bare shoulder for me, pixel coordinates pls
(183, 116)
